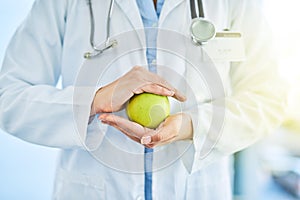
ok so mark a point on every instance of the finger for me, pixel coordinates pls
(164, 134)
(145, 75)
(154, 78)
(179, 96)
(154, 89)
(124, 125)
(162, 82)
(161, 138)
(158, 138)
(123, 131)
(130, 136)
(160, 90)
(153, 144)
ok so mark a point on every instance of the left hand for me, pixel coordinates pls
(175, 127)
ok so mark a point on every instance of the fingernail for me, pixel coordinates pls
(146, 140)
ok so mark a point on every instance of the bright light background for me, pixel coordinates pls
(26, 170)
(283, 17)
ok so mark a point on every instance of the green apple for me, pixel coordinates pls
(148, 109)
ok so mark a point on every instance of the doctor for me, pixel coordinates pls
(102, 156)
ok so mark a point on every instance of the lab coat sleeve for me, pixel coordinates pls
(32, 108)
(256, 105)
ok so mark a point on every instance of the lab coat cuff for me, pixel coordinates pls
(95, 134)
(202, 152)
(89, 129)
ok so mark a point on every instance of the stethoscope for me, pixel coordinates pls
(108, 42)
(201, 29)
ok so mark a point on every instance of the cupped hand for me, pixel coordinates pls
(175, 127)
(112, 97)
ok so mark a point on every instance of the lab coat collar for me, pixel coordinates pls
(129, 7)
(131, 11)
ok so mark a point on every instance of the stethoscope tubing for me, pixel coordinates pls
(193, 9)
(110, 44)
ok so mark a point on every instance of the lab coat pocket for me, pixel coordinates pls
(199, 188)
(78, 186)
(210, 183)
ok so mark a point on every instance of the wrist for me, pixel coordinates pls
(95, 108)
(187, 129)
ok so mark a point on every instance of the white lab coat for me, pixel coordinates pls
(50, 44)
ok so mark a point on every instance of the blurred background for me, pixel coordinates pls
(26, 170)
(269, 170)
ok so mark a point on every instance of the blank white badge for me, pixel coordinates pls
(226, 47)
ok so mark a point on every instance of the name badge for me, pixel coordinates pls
(226, 47)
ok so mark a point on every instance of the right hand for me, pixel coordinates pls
(112, 97)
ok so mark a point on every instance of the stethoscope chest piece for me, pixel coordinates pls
(202, 30)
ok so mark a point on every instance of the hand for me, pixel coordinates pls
(112, 97)
(175, 127)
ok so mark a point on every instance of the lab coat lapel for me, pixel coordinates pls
(130, 9)
(168, 7)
